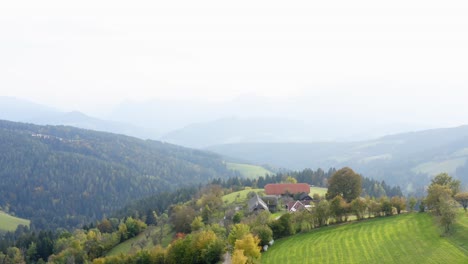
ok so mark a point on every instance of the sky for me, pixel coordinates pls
(389, 58)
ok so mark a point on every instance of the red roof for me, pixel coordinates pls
(283, 188)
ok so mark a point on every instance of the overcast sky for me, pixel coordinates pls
(393, 56)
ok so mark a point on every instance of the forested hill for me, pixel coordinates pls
(61, 176)
(408, 159)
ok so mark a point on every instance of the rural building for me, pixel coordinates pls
(256, 204)
(271, 201)
(305, 198)
(295, 206)
(287, 188)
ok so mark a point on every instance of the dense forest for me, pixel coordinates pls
(60, 176)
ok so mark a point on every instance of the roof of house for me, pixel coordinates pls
(283, 188)
(295, 206)
(305, 196)
(270, 199)
(256, 203)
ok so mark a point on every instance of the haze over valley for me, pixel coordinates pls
(233, 132)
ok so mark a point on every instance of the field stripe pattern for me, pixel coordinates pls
(411, 238)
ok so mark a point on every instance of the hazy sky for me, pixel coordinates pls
(398, 55)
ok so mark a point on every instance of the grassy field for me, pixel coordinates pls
(459, 237)
(410, 238)
(247, 170)
(9, 223)
(321, 191)
(132, 245)
(436, 167)
(239, 197)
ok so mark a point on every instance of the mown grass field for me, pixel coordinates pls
(240, 196)
(247, 170)
(410, 238)
(459, 236)
(9, 223)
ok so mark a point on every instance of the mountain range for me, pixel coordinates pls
(200, 125)
(406, 159)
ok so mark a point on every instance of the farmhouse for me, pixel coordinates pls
(287, 188)
(295, 206)
(256, 203)
(305, 198)
(272, 202)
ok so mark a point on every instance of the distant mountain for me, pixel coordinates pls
(61, 176)
(235, 130)
(407, 159)
(20, 110)
(254, 119)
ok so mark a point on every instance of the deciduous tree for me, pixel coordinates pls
(462, 198)
(345, 182)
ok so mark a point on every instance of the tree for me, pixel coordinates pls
(444, 179)
(238, 231)
(448, 212)
(238, 257)
(345, 182)
(435, 193)
(264, 233)
(249, 244)
(358, 206)
(197, 224)
(181, 217)
(462, 198)
(290, 179)
(282, 227)
(386, 206)
(399, 203)
(374, 207)
(412, 203)
(206, 247)
(338, 208)
(322, 212)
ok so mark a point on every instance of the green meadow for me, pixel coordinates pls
(240, 196)
(9, 223)
(409, 238)
(248, 170)
(321, 191)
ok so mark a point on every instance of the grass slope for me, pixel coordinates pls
(9, 223)
(133, 245)
(247, 170)
(411, 238)
(460, 232)
(239, 197)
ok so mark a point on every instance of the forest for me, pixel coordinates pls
(60, 176)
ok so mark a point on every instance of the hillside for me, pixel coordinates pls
(248, 170)
(64, 176)
(411, 238)
(9, 222)
(408, 159)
